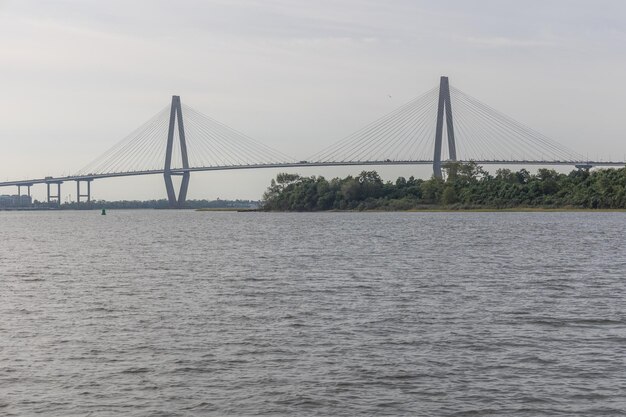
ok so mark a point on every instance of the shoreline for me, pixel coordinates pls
(415, 210)
(439, 210)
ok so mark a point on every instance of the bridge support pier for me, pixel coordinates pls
(19, 193)
(79, 195)
(54, 198)
(176, 114)
(444, 104)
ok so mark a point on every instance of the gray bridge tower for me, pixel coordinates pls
(176, 114)
(444, 103)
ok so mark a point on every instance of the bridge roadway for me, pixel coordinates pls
(179, 171)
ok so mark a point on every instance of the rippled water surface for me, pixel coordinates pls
(207, 313)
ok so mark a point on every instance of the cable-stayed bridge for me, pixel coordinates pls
(443, 124)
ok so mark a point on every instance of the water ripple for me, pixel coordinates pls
(178, 313)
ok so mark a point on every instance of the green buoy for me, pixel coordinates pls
(104, 212)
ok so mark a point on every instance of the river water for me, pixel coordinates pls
(184, 313)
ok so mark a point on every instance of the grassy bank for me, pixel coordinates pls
(460, 210)
(226, 209)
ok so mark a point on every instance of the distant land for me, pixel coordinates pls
(467, 186)
(135, 204)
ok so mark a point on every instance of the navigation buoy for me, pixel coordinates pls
(104, 212)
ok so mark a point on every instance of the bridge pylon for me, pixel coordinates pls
(176, 114)
(444, 104)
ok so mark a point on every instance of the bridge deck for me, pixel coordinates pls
(304, 164)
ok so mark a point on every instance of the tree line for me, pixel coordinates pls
(155, 204)
(466, 186)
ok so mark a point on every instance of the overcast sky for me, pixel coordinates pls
(77, 76)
